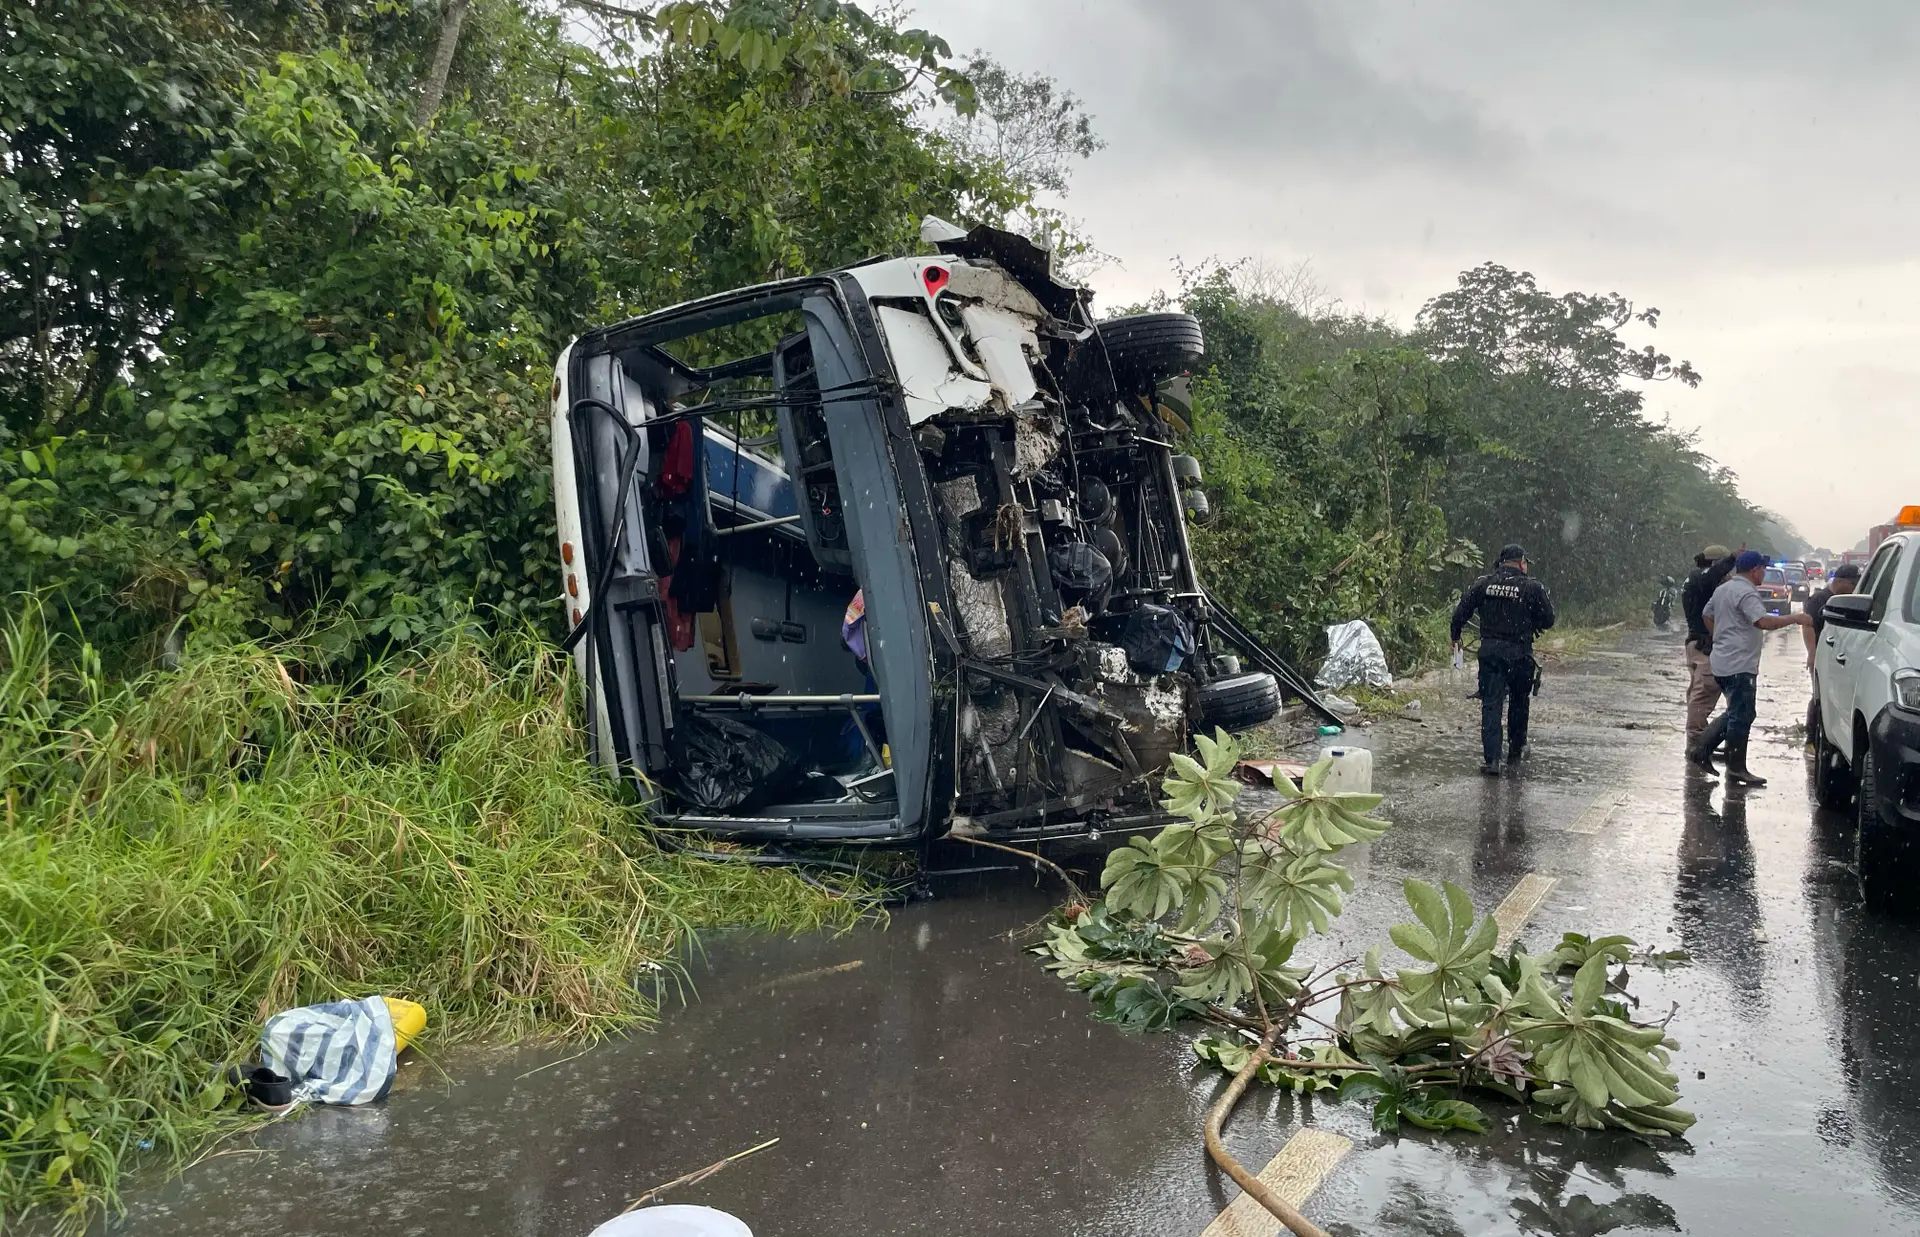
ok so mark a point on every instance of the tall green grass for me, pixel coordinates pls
(185, 854)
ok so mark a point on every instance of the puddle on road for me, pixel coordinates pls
(931, 1078)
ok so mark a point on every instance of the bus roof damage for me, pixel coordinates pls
(892, 551)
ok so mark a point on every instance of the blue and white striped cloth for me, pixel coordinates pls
(337, 1052)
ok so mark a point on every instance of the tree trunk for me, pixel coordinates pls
(436, 83)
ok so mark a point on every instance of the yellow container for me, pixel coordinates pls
(408, 1021)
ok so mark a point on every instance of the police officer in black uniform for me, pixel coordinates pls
(1513, 609)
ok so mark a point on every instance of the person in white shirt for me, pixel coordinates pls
(1738, 620)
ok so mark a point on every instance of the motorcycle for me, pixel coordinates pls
(1663, 601)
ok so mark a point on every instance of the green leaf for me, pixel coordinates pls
(1226, 978)
(1590, 984)
(1298, 894)
(1206, 788)
(1459, 954)
(1432, 1112)
(1138, 1002)
(1575, 950)
(1429, 907)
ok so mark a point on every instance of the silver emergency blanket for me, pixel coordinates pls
(1354, 656)
(337, 1052)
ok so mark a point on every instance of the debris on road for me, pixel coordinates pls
(1557, 1032)
(1257, 772)
(1354, 656)
(338, 1052)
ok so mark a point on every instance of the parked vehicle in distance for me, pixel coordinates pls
(1776, 592)
(1816, 569)
(1867, 664)
(1799, 585)
(892, 551)
(1663, 601)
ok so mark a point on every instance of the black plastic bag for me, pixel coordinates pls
(725, 764)
(1156, 639)
(1079, 569)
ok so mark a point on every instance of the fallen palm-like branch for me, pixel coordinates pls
(1200, 923)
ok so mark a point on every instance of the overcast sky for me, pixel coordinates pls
(1751, 167)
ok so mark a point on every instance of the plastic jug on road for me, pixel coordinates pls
(1352, 771)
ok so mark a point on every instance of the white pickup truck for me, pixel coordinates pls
(1867, 664)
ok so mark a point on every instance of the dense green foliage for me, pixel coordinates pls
(184, 855)
(1358, 470)
(267, 343)
(1565, 460)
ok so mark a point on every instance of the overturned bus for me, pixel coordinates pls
(892, 551)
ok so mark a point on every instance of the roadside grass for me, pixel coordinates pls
(185, 854)
(1377, 702)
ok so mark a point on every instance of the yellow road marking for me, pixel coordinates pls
(1294, 1174)
(1514, 911)
(1599, 812)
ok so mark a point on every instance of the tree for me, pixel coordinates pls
(1026, 124)
(1562, 457)
(454, 16)
(1031, 132)
(1323, 441)
(274, 343)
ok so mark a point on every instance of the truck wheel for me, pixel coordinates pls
(1884, 858)
(1239, 702)
(1832, 779)
(1152, 347)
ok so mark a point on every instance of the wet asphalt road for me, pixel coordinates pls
(936, 1080)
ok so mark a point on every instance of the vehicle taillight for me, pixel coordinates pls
(935, 277)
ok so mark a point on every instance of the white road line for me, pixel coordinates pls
(1599, 812)
(1517, 907)
(1294, 1174)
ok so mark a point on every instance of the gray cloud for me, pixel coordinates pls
(1747, 165)
(1287, 79)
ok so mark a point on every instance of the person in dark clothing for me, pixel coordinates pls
(1513, 609)
(1846, 578)
(1711, 567)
